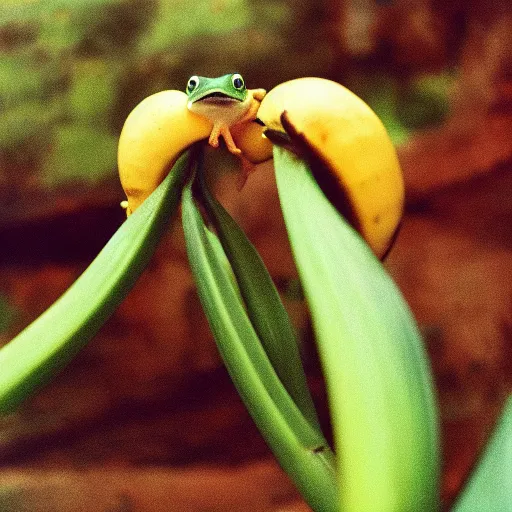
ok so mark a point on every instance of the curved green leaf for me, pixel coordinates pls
(300, 449)
(50, 342)
(378, 380)
(264, 306)
(490, 485)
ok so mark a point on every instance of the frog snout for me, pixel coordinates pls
(217, 98)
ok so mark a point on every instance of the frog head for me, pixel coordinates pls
(226, 88)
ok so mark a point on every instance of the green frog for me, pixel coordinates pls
(226, 102)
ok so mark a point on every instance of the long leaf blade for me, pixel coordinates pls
(299, 447)
(490, 485)
(379, 385)
(264, 306)
(51, 341)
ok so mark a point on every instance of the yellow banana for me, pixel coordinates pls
(158, 130)
(249, 138)
(155, 133)
(350, 152)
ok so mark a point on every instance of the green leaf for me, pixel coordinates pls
(490, 486)
(300, 449)
(264, 306)
(50, 342)
(378, 380)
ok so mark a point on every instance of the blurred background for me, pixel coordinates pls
(145, 418)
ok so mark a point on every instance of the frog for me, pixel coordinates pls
(226, 102)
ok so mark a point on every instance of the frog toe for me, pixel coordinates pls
(214, 140)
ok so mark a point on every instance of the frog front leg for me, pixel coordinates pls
(252, 112)
(221, 128)
(258, 94)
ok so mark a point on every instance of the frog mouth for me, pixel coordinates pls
(218, 97)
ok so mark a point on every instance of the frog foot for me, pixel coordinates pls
(252, 113)
(222, 129)
(258, 94)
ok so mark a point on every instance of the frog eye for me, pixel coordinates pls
(192, 83)
(237, 81)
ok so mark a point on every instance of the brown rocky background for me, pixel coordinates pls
(145, 418)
